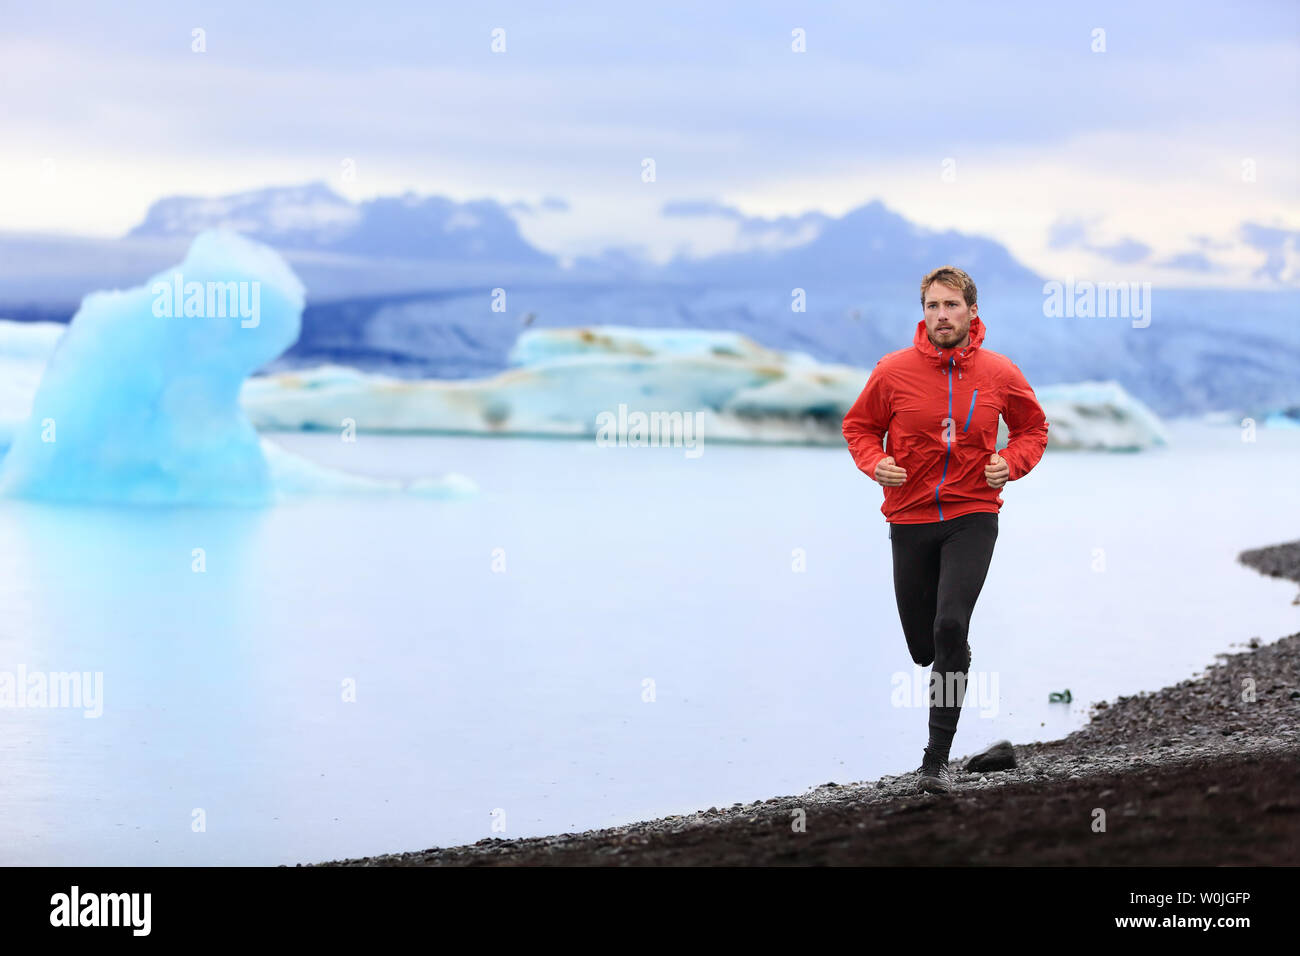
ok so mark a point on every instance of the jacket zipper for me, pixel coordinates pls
(972, 410)
(947, 450)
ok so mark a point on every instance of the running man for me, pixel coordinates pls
(939, 402)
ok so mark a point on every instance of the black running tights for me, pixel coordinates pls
(939, 570)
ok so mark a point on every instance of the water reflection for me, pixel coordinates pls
(163, 603)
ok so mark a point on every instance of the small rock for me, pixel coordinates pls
(999, 756)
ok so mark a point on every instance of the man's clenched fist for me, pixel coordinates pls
(889, 474)
(997, 471)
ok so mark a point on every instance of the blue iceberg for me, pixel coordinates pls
(139, 402)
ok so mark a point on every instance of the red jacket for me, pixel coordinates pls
(940, 409)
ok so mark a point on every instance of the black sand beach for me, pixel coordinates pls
(1195, 774)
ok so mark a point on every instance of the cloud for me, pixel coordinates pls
(289, 92)
(1191, 262)
(1066, 234)
(546, 204)
(1125, 252)
(695, 208)
(1209, 242)
(1281, 248)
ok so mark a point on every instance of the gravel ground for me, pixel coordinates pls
(1193, 774)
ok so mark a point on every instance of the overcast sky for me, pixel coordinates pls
(1126, 163)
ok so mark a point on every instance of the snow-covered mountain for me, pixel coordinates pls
(314, 217)
(870, 246)
(310, 216)
(404, 244)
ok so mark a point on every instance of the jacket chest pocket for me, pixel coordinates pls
(980, 416)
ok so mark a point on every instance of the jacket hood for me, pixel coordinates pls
(959, 357)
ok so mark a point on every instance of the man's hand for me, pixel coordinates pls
(997, 471)
(889, 474)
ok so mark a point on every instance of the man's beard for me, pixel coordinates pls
(953, 339)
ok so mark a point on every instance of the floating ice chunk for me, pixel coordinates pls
(539, 346)
(542, 346)
(294, 475)
(739, 390)
(451, 485)
(1096, 415)
(1283, 418)
(139, 400)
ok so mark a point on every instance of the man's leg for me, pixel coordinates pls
(916, 585)
(964, 563)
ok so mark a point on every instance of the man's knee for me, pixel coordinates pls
(949, 629)
(950, 642)
(923, 660)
